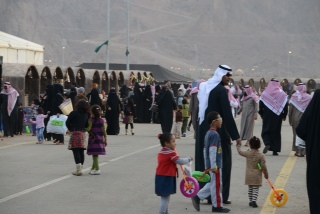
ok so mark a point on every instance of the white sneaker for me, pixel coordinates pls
(95, 172)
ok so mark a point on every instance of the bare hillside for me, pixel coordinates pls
(185, 34)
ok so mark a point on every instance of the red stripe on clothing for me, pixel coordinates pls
(218, 186)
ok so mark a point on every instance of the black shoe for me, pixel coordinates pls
(250, 203)
(266, 149)
(188, 128)
(220, 210)
(275, 153)
(227, 202)
(196, 202)
(254, 204)
(209, 200)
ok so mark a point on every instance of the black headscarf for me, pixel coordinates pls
(46, 103)
(94, 98)
(113, 100)
(58, 99)
(309, 130)
(124, 91)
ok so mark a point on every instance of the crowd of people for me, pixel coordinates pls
(210, 107)
(213, 106)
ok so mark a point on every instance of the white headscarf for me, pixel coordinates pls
(206, 87)
(183, 89)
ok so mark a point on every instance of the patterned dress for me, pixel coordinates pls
(97, 134)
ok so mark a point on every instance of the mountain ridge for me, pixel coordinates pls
(254, 36)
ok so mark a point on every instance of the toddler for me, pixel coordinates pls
(178, 123)
(253, 173)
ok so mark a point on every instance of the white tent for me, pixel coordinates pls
(17, 50)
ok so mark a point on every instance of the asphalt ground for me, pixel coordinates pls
(37, 179)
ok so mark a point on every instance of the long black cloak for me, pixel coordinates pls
(271, 126)
(112, 116)
(138, 101)
(94, 98)
(167, 105)
(309, 130)
(147, 104)
(218, 101)
(57, 99)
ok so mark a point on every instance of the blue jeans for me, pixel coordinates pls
(40, 134)
(33, 127)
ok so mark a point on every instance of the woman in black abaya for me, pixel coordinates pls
(46, 104)
(112, 113)
(167, 105)
(57, 100)
(138, 101)
(308, 130)
(147, 104)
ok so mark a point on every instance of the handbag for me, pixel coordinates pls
(66, 107)
(154, 107)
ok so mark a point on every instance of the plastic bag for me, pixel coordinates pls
(28, 130)
(57, 125)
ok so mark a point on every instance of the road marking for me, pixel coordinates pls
(69, 176)
(280, 182)
(18, 144)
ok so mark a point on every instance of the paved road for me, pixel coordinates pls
(37, 179)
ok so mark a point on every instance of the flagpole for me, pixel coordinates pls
(108, 34)
(138, 36)
(127, 51)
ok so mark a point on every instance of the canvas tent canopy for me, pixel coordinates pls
(159, 73)
(17, 50)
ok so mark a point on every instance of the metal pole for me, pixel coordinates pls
(108, 35)
(128, 61)
(138, 36)
(288, 62)
(197, 59)
(63, 55)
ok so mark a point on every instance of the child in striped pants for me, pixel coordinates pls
(253, 172)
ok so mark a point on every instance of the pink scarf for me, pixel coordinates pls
(274, 97)
(300, 99)
(12, 96)
(250, 94)
(230, 96)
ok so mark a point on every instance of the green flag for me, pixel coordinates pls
(100, 46)
(127, 52)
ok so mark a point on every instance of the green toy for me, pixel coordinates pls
(201, 176)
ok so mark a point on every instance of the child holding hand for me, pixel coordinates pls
(165, 181)
(213, 163)
(253, 173)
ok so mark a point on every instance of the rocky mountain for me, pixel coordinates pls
(262, 38)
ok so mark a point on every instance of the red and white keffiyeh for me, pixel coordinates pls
(300, 99)
(12, 96)
(274, 97)
(250, 94)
